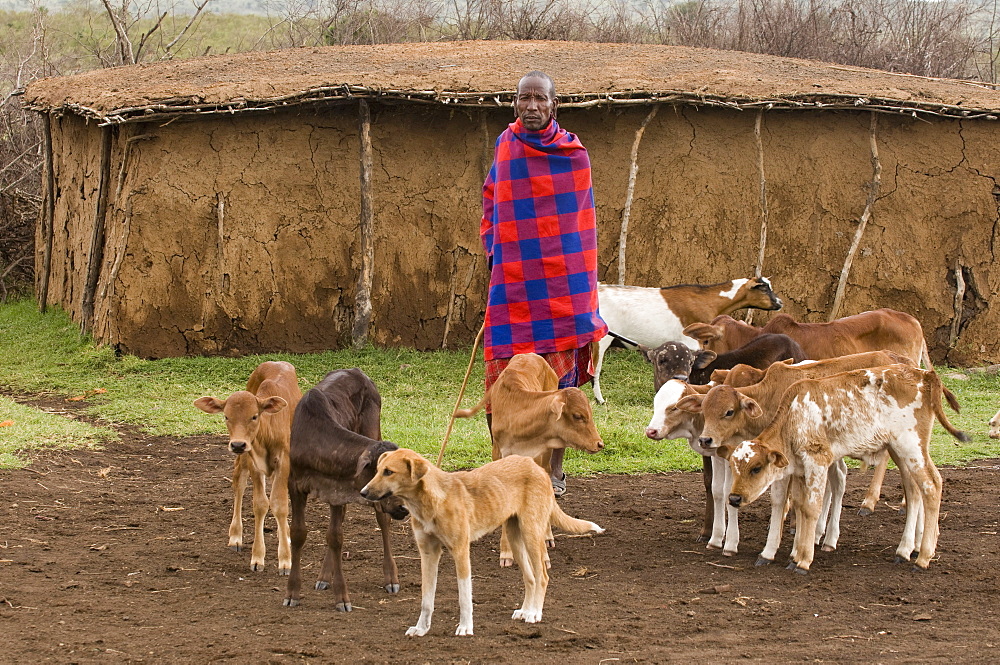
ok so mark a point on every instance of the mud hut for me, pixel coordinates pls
(299, 199)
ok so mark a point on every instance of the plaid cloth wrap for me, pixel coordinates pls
(539, 228)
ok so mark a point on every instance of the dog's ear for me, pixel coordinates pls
(418, 467)
(271, 405)
(210, 404)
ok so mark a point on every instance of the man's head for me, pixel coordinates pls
(535, 103)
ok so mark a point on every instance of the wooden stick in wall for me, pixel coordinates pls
(626, 213)
(759, 270)
(873, 190)
(97, 237)
(363, 300)
(48, 216)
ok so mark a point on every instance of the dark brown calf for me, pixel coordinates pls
(334, 451)
(761, 352)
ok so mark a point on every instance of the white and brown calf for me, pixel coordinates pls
(259, 420)
(855, 414)
(652, 316)
(995, 426)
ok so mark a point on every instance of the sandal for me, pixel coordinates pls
(559, 485)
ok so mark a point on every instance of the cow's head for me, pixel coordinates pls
(398, 473)
(728, 416)
(995, 426)
(757, 293)
(365, 471)
(573, 421)
(243, 411)
(669, 422)
(670, 360)
(755, 467)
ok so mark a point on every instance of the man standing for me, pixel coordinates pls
(540, 236)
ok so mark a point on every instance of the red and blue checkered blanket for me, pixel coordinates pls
(539, 228)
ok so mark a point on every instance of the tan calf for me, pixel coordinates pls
(454, 509)
(855, 414)
(259, 420)
(531, 417)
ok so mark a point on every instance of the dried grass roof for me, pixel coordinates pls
(477, 73)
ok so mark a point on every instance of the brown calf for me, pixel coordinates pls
(880, 329)
(334, 452)
(259, 420)
(532, 417)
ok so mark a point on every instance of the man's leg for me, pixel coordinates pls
(558, 477)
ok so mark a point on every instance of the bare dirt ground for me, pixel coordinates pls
(119, 555)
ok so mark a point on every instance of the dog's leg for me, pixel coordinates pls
(297, 501)
(240, 473)
(333, 570)
(506, 556)
(529, 548)
(463, 567)
(388, 563)
(430, 556)
(260, 506)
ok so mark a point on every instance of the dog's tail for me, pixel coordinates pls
(571, 524)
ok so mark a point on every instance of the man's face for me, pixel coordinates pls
(534, 105)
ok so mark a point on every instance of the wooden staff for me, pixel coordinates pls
(48, 217)
(97, 237)
(461, 393)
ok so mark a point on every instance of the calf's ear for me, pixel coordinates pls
(363, 461)
(644, 350)
(691, 403)
(271, 404)
(724, 451)
(210, 404)
(751, 407)
(704, 359)
(558, 404)
(777, 459)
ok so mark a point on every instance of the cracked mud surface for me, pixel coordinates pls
(119, 555)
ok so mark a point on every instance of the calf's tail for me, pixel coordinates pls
(937, 391)
(468, 413)
(563, 521)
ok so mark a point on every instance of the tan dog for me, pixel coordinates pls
(532, 416)
(454, 509)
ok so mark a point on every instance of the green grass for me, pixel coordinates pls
(26, 428)
(44, 353)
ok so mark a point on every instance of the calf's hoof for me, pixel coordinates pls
(864, 511)
(463, 631)
(703, 538)
(551, 544)
(236, 548)
(344, 607)
(801, 571)
(322, 585)
(257, 567)
(392, 587)
(506, 562)
(290, 602)
(901, 559)
(284, 571)
(829, 548)
(761, 561)
(728, 552)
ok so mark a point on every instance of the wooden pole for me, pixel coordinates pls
(48, 216)
(363, 300)
(956, 321)
(632, 172)
(97, 237)
(759, 270)
(873, 191)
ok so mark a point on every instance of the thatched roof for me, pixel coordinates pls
(485, 73)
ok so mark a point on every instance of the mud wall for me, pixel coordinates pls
(241, 234)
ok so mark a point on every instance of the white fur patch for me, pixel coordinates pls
(803, 363)
(743, 452)
(737, 285)
(667, 396)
